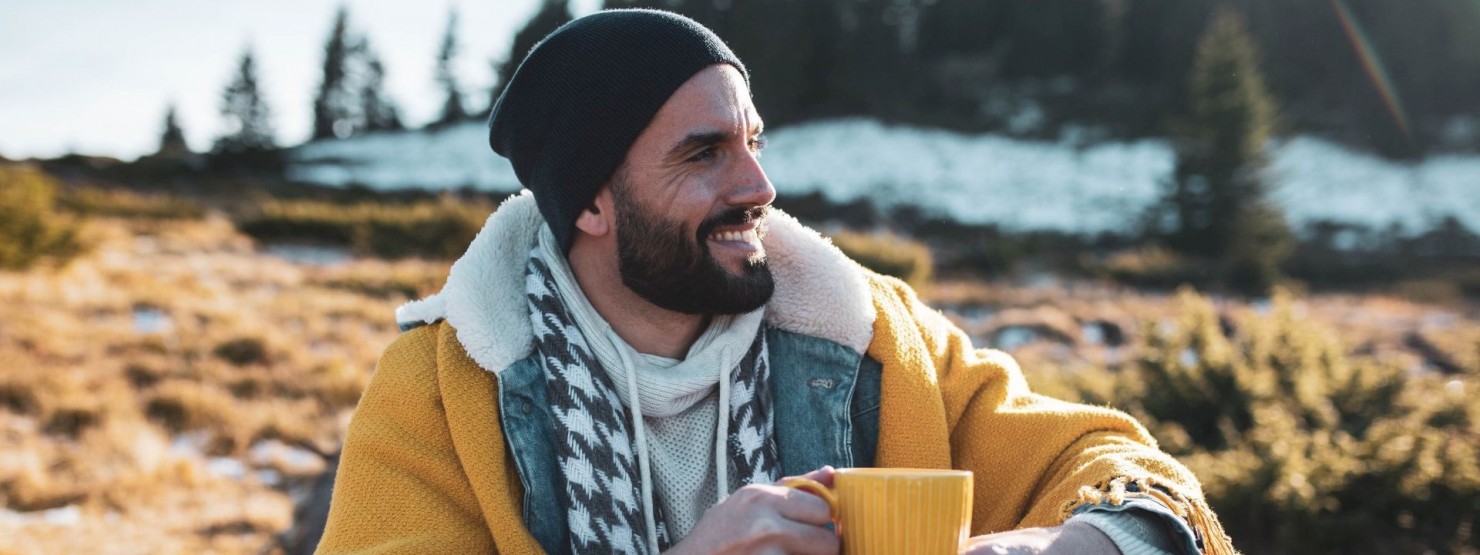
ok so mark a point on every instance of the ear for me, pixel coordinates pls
(600, 216)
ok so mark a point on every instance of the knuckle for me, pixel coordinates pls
(754, 494)
(742, 496)
(766, 530)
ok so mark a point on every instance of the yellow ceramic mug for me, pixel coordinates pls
(888, 511)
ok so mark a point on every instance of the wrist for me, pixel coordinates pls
(1078, 536)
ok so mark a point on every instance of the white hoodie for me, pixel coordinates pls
(681, 435)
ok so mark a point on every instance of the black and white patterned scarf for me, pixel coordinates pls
(594, 447)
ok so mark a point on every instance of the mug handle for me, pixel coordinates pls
(816, 488)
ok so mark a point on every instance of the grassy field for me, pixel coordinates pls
(175, 387)
(167, 391)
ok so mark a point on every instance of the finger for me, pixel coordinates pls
(804, 507)
(822, 475)
(806, 539)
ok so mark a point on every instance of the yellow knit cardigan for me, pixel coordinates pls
(430, 420)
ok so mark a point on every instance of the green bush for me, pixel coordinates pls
(888, 254)
(1152, 267)
(1301, 448)
(94, 201)
(435, 229)
(30, 228)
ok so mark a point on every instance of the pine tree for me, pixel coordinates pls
(1217, 202)
(552, 14)
(248, 120)
(172, 141)
(351, 98)
(453, 110)
(378, 110)
(333, 106)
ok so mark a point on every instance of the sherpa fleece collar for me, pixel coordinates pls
(819, 291)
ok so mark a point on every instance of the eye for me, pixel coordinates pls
(757, 144)
(704, 155)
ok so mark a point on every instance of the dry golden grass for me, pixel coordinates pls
(147, 384)
(140, 377)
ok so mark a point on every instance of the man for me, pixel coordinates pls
(635, 351)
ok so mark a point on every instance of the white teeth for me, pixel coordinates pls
(747, 236)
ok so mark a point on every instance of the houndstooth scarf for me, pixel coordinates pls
(595, 449)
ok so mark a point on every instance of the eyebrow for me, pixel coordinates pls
(696, 140)
(704, 138)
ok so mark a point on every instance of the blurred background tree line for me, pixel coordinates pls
(1120, 64)
(1219, 77)
(1399, 78)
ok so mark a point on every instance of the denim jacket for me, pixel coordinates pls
(825, 397)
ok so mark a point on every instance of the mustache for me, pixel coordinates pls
(733, 216)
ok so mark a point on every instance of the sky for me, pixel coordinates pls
(96, 76)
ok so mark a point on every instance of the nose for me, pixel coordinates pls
(752, 187)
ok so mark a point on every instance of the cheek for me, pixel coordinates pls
(692, 202)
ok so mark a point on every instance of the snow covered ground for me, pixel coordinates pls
(1016, 184)
(449, 158)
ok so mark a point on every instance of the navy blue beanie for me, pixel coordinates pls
(584, 94)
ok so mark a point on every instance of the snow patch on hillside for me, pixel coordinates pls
(980, 179)
(1318, 180)
(448, 158)
(1018, 185)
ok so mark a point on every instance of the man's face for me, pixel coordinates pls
(691, 201)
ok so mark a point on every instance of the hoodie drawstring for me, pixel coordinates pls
(634, 402)
(722, 429)
(721, 440)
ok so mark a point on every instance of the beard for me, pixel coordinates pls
(671, 266)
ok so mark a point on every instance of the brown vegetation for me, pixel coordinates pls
(174, 388)
(122, 203)
(144, 379)
(438, 229)
(888, 254)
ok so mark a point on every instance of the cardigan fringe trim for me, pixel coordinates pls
(1194, 510)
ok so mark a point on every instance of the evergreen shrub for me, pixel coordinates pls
(97, 201)
(1301, 447)
(440, 229)
(30, 228)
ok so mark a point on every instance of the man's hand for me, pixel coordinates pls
(1073, 537)
(766, 519)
